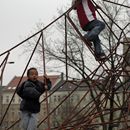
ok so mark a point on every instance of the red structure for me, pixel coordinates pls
(109, 91)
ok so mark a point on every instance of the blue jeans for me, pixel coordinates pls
(94, 28)
(28, 120)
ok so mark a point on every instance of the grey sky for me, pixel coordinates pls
(18, 18)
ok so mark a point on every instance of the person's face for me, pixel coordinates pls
(33, 75)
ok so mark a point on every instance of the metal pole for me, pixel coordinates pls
(46, 94)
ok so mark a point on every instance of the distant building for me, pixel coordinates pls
(13, 113)
(64, 97)
(126, 52)
(1, 98)
(126, 75)
(73, 100)
(69, 96)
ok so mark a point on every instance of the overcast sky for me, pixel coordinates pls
(18, 18)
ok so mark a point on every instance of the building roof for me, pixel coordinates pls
(15, 81)
(70, 85)
(80, 85)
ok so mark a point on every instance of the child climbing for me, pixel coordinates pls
(86, 12)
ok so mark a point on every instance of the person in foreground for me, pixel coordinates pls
(30, 92)
(86, 12)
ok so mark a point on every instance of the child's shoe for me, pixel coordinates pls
(100, 56)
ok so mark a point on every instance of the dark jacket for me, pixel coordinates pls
(30, 93)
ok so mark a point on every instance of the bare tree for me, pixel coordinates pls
(79, 58)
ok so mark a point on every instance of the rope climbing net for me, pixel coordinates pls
(104, 105)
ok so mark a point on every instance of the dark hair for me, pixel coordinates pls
(28, 71)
